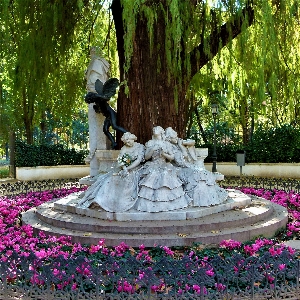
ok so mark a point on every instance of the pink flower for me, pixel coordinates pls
(220, 286)
(281, 267)
(41, 254)
(168, 251)
(210, 272)
(197, 289)
(230, 244)
(125, 287)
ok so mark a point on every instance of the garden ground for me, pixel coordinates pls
(273, 261)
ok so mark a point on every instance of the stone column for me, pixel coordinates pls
(97, 69)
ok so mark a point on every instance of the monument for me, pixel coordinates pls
(100, 88)
(157, 177)
(157, 193)
(97, 69)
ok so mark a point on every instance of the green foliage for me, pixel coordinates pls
(54, 130)
(268, 145)
(44, 52)
(27, 155)
(4, 172)
(45, 49)
(186, 25)
(257, 72)
(275, 145)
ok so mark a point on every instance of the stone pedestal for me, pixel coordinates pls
(107, 159)
(103, 161)
(97, 69)
(201, 155)
(98, 142)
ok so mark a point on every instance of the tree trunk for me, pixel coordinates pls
(12, 161)
(151, 99)
(151, 88)
(27, 116)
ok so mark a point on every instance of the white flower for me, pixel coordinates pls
(125, 160)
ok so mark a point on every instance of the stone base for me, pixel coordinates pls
(235, 199)
(240, 219)
(87, 180)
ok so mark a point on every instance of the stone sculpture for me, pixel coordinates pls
(199, 184)
(117, 190)
(98, 68)
(158, 177)
(160, 188)
(100, 99)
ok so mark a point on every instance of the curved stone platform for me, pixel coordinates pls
(235, 199)
(240, 218)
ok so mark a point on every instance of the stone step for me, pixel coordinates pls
(254, 212)
(70, 204)
(261, 218)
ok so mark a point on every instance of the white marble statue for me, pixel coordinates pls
(199, 184)
(117, 190)
(98, 68)
(169, 180)
(160, 188)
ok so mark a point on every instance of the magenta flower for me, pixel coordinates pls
(210, 272)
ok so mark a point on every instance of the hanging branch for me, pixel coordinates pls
(92, 26)
(220, 37)
(107, 38)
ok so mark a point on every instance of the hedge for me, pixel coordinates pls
(47, 155)
(273, 145)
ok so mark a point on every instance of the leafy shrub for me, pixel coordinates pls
(47, 155)
(274, 145)
(268, 145)
(225, 152)
(4, 172)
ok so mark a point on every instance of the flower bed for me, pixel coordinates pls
(192, 270)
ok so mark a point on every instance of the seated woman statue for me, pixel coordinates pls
(117, 190)
(199, 184)
(160, 189)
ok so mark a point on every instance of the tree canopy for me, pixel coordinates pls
(175, 58)
(44, 52)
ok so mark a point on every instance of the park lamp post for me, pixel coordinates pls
(214, 111)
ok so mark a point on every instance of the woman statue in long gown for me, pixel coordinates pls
(199, 184)
(160, 189)
(117, 190)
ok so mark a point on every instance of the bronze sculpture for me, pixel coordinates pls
(104, 93)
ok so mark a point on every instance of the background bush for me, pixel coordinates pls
(47, 155)
(268, 145)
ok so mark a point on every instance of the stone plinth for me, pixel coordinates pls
(106, 159)
(235, 199)
(201, 153)
(241, 223)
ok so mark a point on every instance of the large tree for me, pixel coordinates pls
(173, 55)
(44, 48)
(162, 44)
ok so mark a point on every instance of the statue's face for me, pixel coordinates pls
(157, 130)
(129, 142)
(173, 139)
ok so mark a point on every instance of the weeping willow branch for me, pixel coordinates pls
(107, 39)
(92, 26)
(220, 37)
